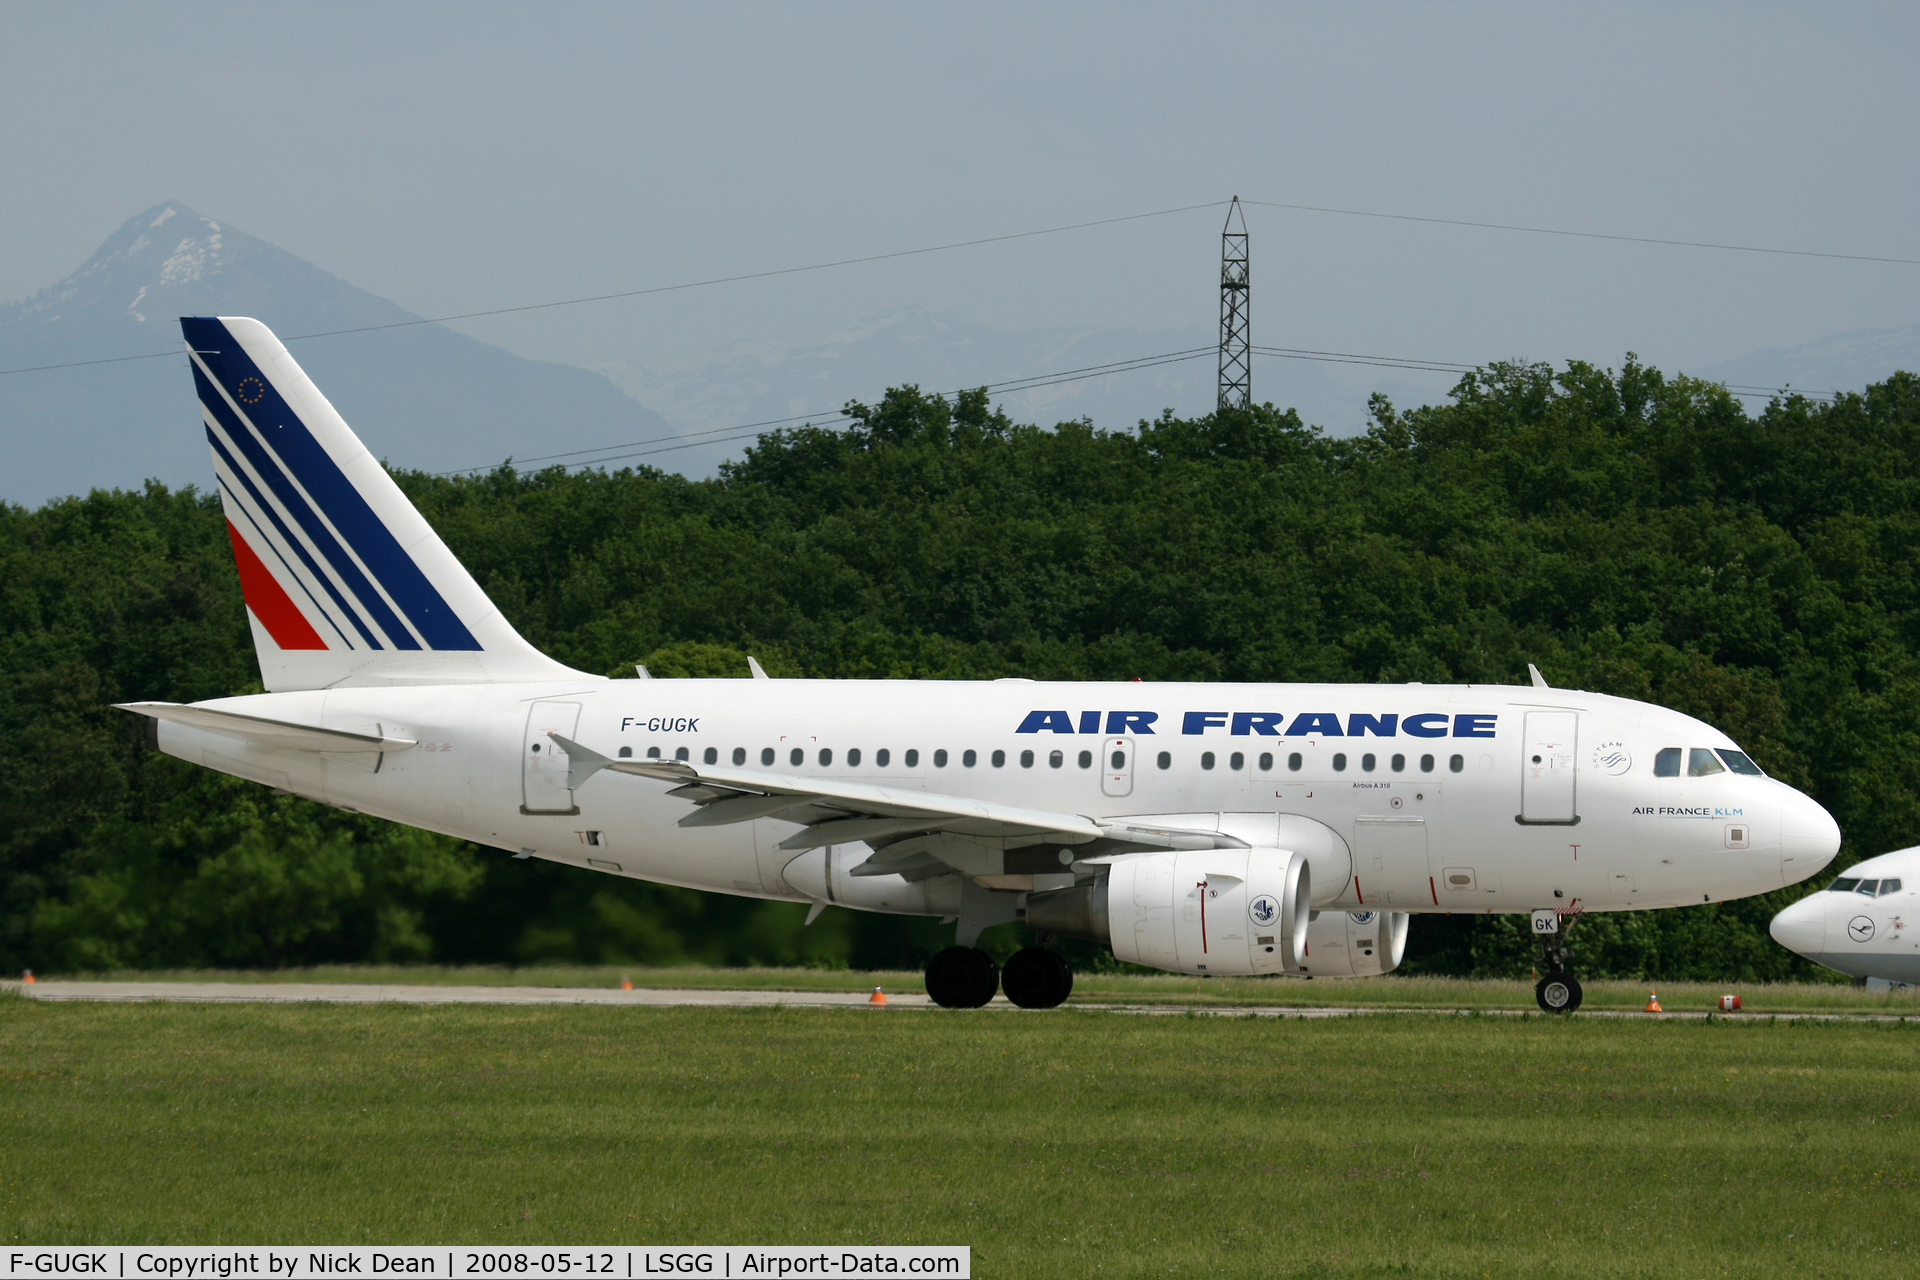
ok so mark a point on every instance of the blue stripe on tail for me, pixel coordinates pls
(296, 453)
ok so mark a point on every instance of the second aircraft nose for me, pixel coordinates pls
(1802, 927)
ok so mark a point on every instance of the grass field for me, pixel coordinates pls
(1095, 988)
(1063, 1144)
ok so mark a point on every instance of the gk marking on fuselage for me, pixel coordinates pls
(1271, 724)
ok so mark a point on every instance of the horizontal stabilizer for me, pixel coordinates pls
(268, 733)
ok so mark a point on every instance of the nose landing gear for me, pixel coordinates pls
(1557, 991)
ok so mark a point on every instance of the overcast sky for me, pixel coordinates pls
(466, 156)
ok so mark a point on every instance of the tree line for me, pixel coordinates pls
(1626, 531)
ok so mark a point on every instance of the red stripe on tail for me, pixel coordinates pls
(268, 600)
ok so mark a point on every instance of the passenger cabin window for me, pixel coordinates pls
(883, 757)
(1399, 764)
(766, 755)
(1055, 759)
(1086, 759)
(1426, 764)
(680, 753)
(1026, 759)
(969, 757)
(853, 757)
(1164, 760)
(940, 758)
(1456, 763)
(798, 757)
(1740, 762)
(1843, 885)
(1339, 762)
(626, 753)
(999, 759)
(1294, 761)
(1666, 762)
(1206, 759)
(711, 755)
(1266, 762)
(912, 758)
(739, 755)
(1367, 762)
(1702, 762)
(1237, 761)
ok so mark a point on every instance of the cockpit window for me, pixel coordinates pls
(1868, 887)
(1889, 886)
(1701, 762)
(1741, 762)
(1666, 763)
(1842, 885)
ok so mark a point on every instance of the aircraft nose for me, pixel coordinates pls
(1802, 927)
(1809, 837)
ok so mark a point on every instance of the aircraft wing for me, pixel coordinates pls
(268, 733)
(914, 833)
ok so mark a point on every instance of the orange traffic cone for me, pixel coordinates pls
(28, 976)
(1653, 1003)
(878, 997)
(626, 983)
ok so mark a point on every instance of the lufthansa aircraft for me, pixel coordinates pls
(1859, 925)
(1202, 828)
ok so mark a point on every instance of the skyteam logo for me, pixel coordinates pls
(1263, 910)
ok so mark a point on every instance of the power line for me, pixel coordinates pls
(1584, 235)
(665, 288)
(746, 430)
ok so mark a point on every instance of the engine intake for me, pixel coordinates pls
(1355, 944)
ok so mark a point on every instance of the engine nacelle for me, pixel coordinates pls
(1211, 911)
(1354, 944)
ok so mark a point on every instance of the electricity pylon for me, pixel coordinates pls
(1236, 360)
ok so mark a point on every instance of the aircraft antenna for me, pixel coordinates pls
(1236, 357)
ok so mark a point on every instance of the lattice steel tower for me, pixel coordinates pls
(1236, 361)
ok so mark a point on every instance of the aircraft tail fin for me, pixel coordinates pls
(346, 583)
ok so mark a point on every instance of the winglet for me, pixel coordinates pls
(759, 672)
(582, 762)
(1539, 681)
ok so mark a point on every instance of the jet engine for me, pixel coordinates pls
(1353, 944)
(1211, 911)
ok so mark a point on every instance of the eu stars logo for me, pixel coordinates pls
(250, 390)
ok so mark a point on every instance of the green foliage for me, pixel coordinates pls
(1628, 532)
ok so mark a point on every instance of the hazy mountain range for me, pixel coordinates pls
(425, 396)
(420, 396)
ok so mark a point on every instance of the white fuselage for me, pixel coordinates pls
(1447, 798)
(1866, 924)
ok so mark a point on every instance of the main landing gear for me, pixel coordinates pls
(966, 978)
(1557, 991)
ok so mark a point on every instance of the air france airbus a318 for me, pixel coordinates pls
(1201, 828)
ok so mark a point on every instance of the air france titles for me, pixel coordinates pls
(1268, 724)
